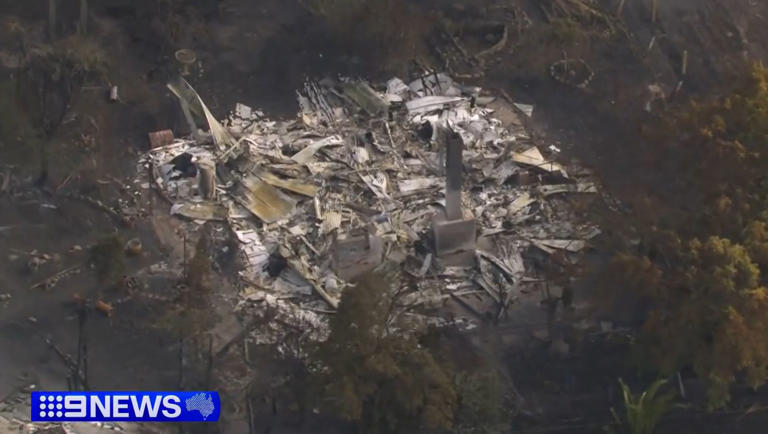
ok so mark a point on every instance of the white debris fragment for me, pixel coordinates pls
(397, 90)
(243, 111)
(527, 109)
(331, 222)
(533, 157)
(360, 155)
(377, 182)
(551, 245)
(548, 190)
(428, 104)
(520, 203)
(305, 155)
(416, 184)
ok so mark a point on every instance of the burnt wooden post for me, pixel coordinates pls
(52, 19)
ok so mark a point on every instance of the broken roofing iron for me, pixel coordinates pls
(359, 178)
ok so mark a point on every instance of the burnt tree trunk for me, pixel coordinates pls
(83, 17)
(52, 19)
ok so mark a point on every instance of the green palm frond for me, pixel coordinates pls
(642, 412)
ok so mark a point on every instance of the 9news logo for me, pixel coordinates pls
(125, 407)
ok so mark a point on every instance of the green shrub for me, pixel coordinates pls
(643, 411)
(108, 258)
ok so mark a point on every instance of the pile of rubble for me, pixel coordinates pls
(417, 174)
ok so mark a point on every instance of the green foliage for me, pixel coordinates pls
(384, 382)
(481, 399)
(709, 313)
(712, 158)
(108, 259)
(756, 242)
(704, 241)
(642, 412)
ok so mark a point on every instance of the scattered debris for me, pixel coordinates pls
(548, 190)
(36, 260)
(550, 246)
(532, 157)
(306, 325)
(103, 307)
(113, 96)
(52, 281)
(520, 203)
(355, 256)
(200, 210)
(160, 138)
(405, 173)
(265, 201)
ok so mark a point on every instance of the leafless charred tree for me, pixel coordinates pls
(52, 19)
(83, 28)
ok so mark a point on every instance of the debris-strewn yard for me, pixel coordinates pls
(364, 177)
(359, 179)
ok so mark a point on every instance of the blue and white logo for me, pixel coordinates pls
(125, 407)
(201, 403)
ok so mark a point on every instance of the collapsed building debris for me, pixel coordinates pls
(412, 174)
(52, 281)
(160, 138)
